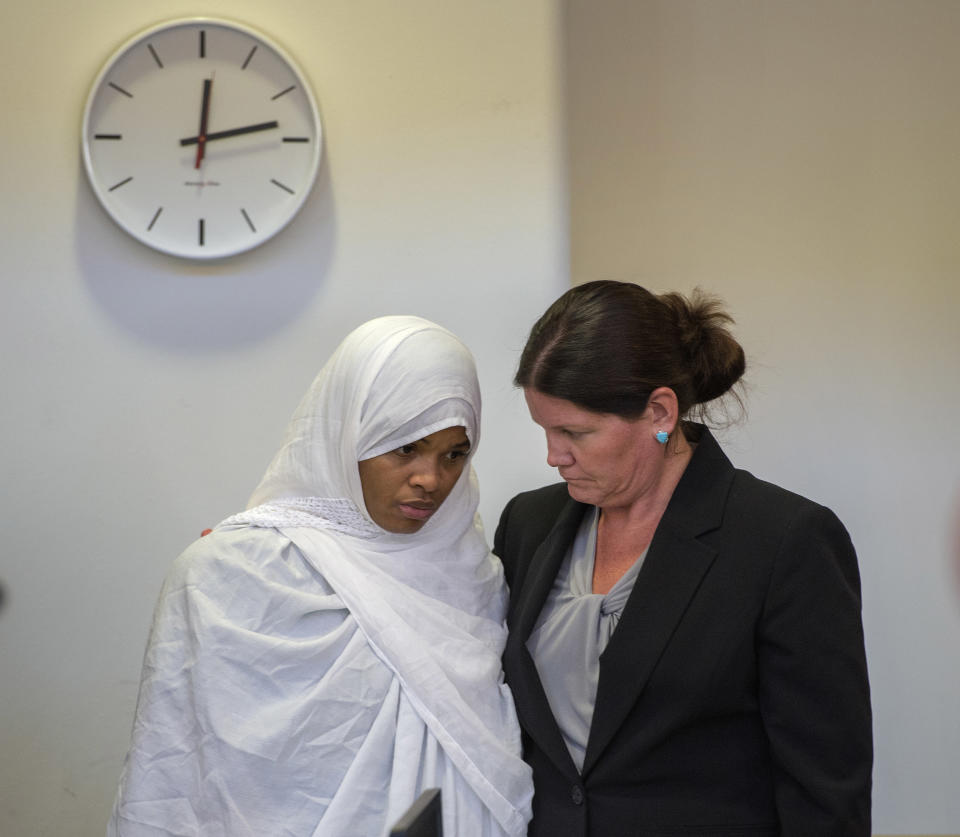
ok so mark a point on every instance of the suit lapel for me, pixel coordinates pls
(531, 701)
(667, 581)
(675, 565)
(544, 567)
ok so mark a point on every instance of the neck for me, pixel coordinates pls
(624, 532)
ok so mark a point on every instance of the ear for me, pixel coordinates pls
(663, 409)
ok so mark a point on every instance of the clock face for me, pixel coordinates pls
(201, 138)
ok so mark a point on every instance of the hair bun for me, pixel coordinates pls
(715, 359)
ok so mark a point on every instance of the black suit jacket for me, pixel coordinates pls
(733, 695)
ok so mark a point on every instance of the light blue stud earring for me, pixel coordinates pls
(661, 436)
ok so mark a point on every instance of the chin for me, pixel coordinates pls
(581, 495)
(403, 526)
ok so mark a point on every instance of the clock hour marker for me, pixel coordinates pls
(203, 49)
(249, 56)
(296, 139)
(200, 232)
(247, 219)
(153, 220)
(127, 180)
(278, 183)
(156, 57)
(108, 136)
(119, 89)
(283, 92)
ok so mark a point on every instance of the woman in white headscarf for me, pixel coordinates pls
(320, 659)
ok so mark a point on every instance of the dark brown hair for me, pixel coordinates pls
(606, 346)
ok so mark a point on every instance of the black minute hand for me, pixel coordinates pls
(232, 132)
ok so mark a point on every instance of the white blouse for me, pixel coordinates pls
(571, 633)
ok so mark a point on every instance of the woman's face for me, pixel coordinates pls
(606, 460)
(402, 489)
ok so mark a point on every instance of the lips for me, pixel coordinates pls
(417, 510)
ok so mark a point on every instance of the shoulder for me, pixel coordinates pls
(548, 497)
(799, 535)
(245, 580)
(233, 550)
(732, 504)
(526, 522)
(772, 507)
(533, 512)
(238, 566)
(774, 503)
(748, 500)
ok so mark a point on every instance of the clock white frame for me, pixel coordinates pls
(147, 98)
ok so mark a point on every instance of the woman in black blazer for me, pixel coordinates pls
(686, 650)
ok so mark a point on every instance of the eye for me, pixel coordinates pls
(406, 450)
(459, 453)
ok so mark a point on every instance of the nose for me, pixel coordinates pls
(426, 476)
(558, 453)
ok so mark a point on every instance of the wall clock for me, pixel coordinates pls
(201, 138)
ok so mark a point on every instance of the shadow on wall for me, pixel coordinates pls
(187, 306)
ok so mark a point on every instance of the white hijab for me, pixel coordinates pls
(312, 673)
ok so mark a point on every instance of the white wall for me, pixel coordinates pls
(800, 157)
(144, 396)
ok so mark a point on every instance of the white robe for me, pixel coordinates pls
(310, 674)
